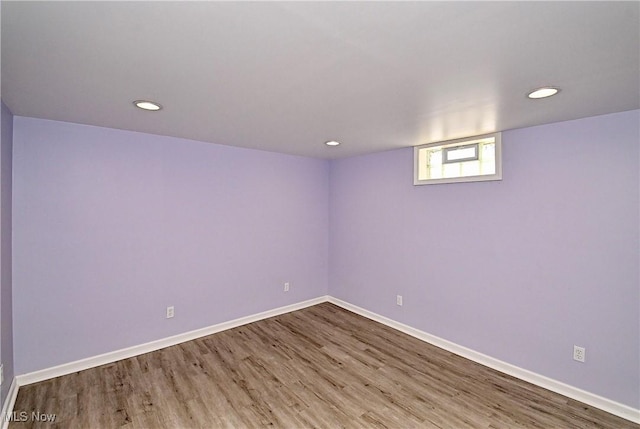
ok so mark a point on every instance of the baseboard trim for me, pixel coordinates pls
(10, 400)
(610, 406)
(613, 407)
(110, 357)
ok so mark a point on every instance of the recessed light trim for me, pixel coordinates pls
(332, 143)
(147, 105)
(544, 92)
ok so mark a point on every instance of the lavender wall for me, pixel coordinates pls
(521, 269)
(6, 322)
(111, 227)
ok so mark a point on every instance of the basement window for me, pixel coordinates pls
(473, 159)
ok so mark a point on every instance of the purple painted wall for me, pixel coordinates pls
(521, 269)
(111, 227)
(6, 318)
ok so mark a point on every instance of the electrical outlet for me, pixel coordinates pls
(286, 287)
(1, 373)
(399, 299)
(579, 353)
(170, 312)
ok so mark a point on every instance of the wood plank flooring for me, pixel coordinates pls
(320, 367)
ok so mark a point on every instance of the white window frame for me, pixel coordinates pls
(457, 144)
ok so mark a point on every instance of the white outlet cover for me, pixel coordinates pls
(399, 299)
(579, 353)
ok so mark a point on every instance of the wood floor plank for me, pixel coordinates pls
(320, 367)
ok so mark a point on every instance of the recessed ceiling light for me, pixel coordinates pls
(332, 143)
(544, 92)
(147, 105)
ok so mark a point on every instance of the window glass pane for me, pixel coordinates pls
(451, 170)
(435, 163)
(488, 168)
(488, 152)
(462, 153)
(435, 157)
(488, 157)
(423, 168)
(470, 168)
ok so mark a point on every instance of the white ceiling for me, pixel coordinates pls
(286, 77)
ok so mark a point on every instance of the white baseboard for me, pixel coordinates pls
(106, 358)
(594, 400)
(9, 401)
(589, 398)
